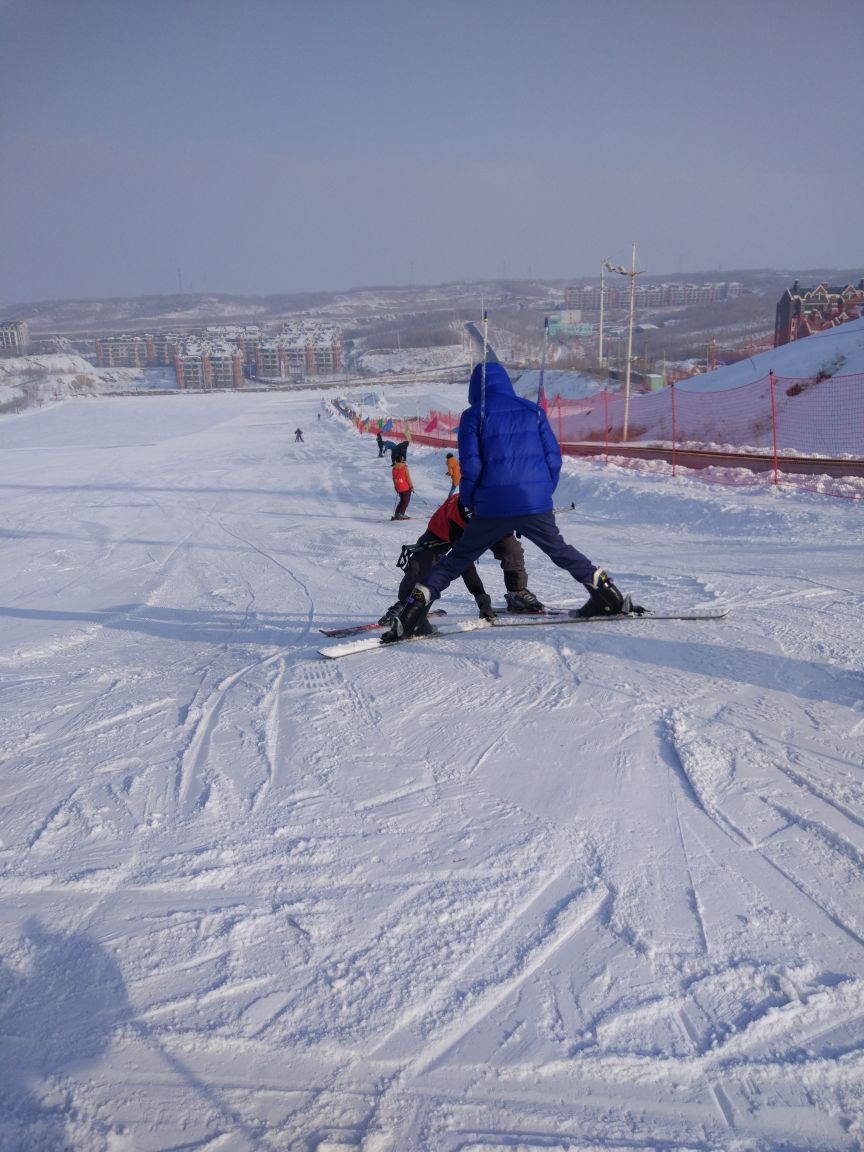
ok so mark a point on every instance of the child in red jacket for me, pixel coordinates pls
(446, 525)
(403, 484)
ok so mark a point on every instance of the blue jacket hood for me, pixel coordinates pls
(509, 455)
(497, 381)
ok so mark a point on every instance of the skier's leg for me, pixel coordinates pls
(541, 529)
(413, 573)
(430, 550)
(472, 581)
(511, 556)
(479, 535)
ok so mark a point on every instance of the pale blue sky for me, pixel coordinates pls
(268, 146)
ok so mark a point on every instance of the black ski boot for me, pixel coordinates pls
(524, 601)
(605, 599)
(410, 620)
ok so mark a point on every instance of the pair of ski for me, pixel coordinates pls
(356, 629)
(520, 620)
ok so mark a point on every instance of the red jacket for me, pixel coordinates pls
(446, 523)
(402, 477)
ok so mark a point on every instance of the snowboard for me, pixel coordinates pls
(522, 620)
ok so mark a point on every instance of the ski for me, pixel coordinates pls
(546, 610)
(454, 628)
(354, 629)
(573, 616)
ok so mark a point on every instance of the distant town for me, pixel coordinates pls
(678, 328)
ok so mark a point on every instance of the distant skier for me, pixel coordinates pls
(510, 466)
(403, 484)
(380, 439)
(298, 436)
(445, 527)
(453, 471)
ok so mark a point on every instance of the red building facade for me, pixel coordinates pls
(801, 312)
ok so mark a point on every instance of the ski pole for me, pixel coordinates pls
(543, 357)
(483, 367)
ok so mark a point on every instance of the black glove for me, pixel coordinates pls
(484, 606)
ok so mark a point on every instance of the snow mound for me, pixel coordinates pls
(413, 359)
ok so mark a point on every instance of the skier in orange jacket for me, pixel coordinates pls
(454, 472)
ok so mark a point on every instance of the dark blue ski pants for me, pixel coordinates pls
(479, 535)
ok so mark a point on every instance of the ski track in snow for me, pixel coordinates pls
(492, 892)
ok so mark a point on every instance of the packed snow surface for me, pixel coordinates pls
(571, 888)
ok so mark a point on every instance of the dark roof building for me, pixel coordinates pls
(801, 312)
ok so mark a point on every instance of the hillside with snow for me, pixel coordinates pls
(834, 352)
(592, 887)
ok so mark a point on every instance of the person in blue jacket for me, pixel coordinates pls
(510, 466)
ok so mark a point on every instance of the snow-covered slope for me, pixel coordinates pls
(568, 385)
(587, 888)
(414, 359)
(835, 352)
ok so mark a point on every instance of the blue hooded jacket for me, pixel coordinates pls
(510, 465)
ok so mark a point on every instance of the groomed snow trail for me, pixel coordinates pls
(566, 889)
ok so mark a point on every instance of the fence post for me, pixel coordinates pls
(606, 423)
(560, 424)
(773, 421)
(672, 389)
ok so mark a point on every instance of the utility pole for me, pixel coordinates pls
(603, 264)
(632, 273)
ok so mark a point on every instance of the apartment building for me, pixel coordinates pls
(203, 367)
(14, 337)
(616, 294)
(141, 350)
(305, 348)
(247, 337)
(123, 352)
(319, 344)
(215, 357)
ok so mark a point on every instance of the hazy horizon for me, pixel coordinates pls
(703, 275)
(285, 148)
